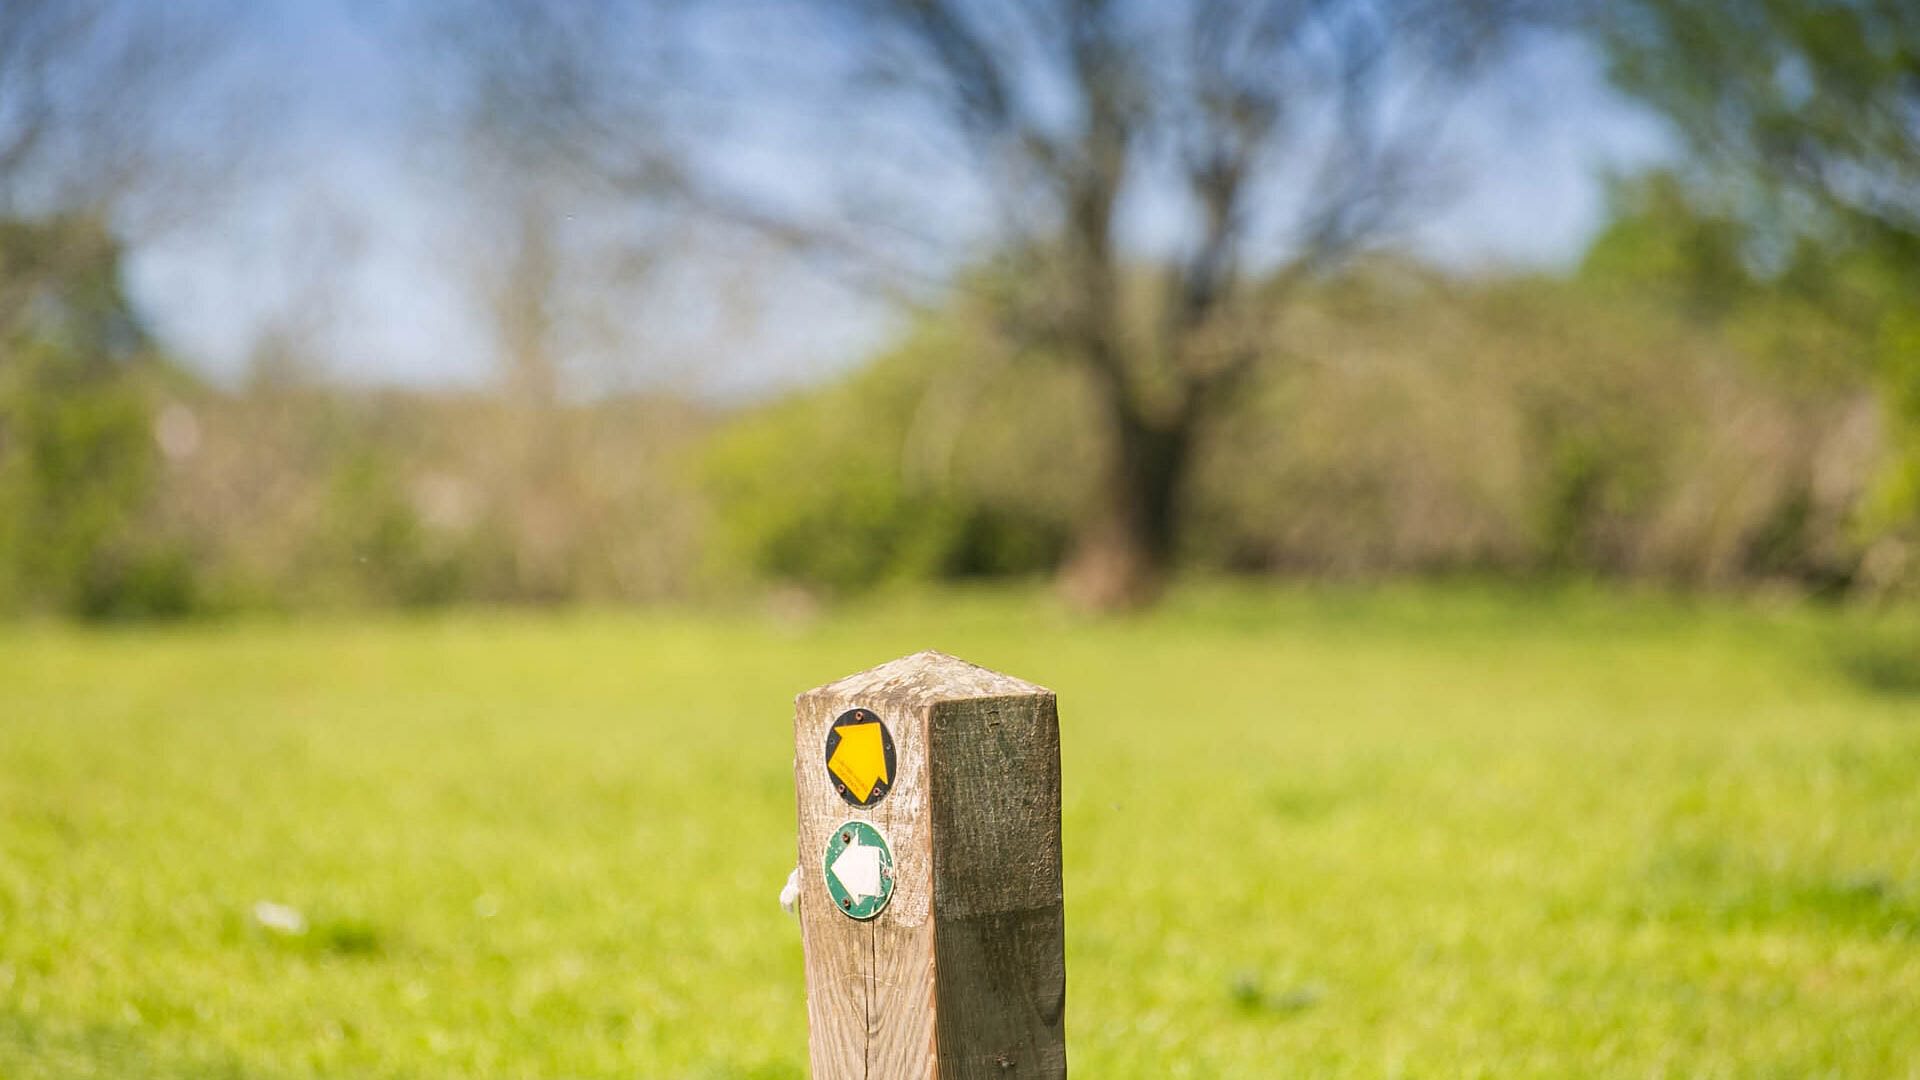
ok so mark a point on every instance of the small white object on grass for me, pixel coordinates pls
(279, 918)
(790, 896)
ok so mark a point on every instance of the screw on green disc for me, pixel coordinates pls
(859, 870)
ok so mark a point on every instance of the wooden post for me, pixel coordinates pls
(949, 961)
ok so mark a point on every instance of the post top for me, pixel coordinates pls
(926, 677)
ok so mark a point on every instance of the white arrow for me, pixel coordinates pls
(858, 868)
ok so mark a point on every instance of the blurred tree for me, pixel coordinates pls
(76, 450)
(1802, 118)
(811, 488)
(1807, 110)
(100, 108)
(1658, 238)
(1150, 182)
(1265, 142)
(544, 120)
(91, 98)
(1268, 141)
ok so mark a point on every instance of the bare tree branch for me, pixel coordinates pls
(1283, 136)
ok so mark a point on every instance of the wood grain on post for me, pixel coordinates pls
(963, 972)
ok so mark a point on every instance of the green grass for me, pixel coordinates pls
(1443, 832)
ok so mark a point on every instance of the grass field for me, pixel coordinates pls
(1445, 832)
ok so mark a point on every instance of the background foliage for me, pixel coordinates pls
(1662, 414)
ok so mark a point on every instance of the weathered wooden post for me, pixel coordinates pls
(929, 794)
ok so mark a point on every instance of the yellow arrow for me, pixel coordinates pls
(860, 761)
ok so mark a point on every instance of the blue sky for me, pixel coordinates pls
(345, 233)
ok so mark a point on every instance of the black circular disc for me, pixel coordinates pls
(861, 764)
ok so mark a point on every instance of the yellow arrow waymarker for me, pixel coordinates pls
(860, 761)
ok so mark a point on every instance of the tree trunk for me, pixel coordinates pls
(1123, 555)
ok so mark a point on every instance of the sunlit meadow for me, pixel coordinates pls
(1325, 832)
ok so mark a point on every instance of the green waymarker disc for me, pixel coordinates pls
(859, 870)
